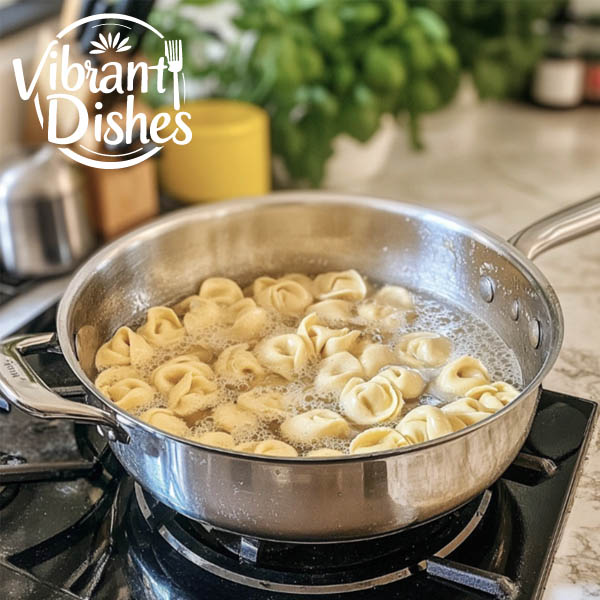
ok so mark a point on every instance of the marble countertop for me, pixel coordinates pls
(502, 166)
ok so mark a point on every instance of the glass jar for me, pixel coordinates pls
(559, 77)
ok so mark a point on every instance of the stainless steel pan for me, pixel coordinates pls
(309, 499)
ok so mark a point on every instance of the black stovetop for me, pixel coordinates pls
(73, 525)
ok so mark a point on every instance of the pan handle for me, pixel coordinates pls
(567, 224)
(21, 386)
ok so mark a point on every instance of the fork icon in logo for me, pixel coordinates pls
(174, 55)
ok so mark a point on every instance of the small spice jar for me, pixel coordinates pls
(559, 77)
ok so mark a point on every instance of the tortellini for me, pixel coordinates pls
(222, 291)
(125, 348)
(324, 452)
(304, 280)
(162, 327)
(164, 378)
(160, 375)
(247, 319)
(315, 425)
(285, 354)
(185, 305)
(342, 285)
(406, 382)
(373, 311)
(234, 419)
(287, 296)
(270, 447)
(113, 374)
(130, 393)
(370, 402)
(295, 365)
(266, 404)
(468, 410)
(396, 296)
(494, 395)
(423, 349)
(202, 313)
(374, 356)
(188, 384)
(427, 423)
(381, 315)
(377, 439)
(462, 374)
(332, 310)
(239, 365)
(219, 439)
(335, 372)
(200, 353)
(325, 341)
(166, 420)
(389, 308)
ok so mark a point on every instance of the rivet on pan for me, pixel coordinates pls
(515, 309)
(100, 430)
(110, 434)
(535, 333)
(486, 288)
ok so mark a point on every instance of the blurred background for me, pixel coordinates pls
(457, 104)
(331, 70)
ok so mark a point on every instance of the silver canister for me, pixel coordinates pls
(45, 221)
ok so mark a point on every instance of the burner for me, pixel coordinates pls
(329, 568)
(168, 549)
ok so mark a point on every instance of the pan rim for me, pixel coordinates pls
(314, 197)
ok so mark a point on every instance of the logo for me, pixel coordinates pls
(12, 369)
(107, 73)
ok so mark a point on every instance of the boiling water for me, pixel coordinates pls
(468, 334)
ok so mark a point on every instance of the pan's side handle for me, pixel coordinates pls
(567, 224)
(20, 386)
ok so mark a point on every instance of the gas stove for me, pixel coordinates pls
(74, 525)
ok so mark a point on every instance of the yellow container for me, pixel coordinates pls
(229, 154)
